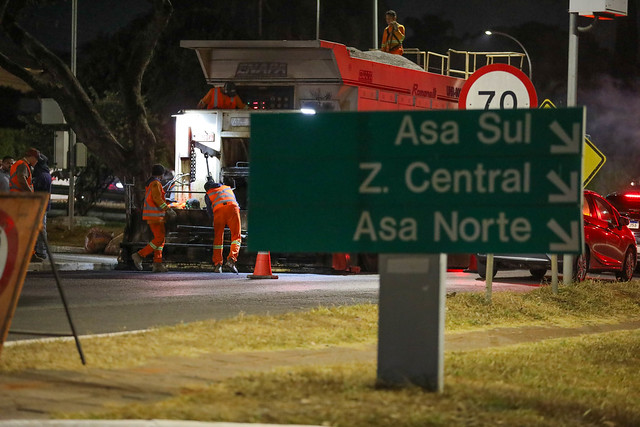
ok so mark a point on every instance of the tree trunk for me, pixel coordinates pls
(55, 80)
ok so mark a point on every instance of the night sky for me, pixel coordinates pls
(469, 17)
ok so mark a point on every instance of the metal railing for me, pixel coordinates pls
(465, 62)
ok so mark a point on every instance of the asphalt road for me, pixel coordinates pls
(115, 301)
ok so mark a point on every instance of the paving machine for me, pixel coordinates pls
(277, 76)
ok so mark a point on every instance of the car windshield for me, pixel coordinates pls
(605, 211)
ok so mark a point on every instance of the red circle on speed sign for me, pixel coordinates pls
(8, 249)
(498, 87)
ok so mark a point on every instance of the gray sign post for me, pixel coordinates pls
(411, 320)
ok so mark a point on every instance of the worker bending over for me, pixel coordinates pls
(222, 204)
(154, 210)
(222, 98)
(393, 35)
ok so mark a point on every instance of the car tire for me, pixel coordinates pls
(482, 269)
(628, 266)
(581, 266)
(538, 273)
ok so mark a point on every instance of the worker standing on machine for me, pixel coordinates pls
(223, 206)
(222, 98)
(393, 35)
(154, 210)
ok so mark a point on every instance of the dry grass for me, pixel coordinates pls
(581, 381)
(579, 304)
(576, 305)
(60, 235)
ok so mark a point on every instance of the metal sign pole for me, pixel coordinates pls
(572, 99)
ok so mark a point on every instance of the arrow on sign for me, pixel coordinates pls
(569, 242)
(571, 143)
(569, 193)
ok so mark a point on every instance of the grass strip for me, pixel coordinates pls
(583, 381)
(590, 302)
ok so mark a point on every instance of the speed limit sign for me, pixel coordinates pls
(497, 87)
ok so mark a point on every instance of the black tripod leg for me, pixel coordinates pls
(62, 296)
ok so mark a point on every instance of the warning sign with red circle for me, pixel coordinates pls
(20, 221)
(8, 249)
(498, 87)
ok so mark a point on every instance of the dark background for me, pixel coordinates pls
(608, 56)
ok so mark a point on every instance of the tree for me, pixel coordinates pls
(54, 79)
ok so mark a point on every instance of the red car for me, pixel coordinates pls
(610, 246)
(628, 204)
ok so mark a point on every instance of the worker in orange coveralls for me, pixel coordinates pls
(222, 98)
(222, 204)
(393, 35)
(154, 210)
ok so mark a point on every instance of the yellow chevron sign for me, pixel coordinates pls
(593, 158)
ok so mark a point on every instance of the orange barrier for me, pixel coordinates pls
(262, 269)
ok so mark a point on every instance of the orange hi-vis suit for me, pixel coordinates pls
(226, 212)
(153, 212)
(392, 40)
(19, 182)
(216, 99)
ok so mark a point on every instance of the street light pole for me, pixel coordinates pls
(491, 32)
(318, 20)
(72, 134)
(375, 24)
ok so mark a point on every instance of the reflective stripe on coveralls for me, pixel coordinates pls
(220, 196)
(14, 183)
(154, 215)
(151, 211)
(220, 100)
(226, 212)
(392, 40)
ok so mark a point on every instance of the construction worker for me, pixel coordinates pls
(222, 204)
(154, 210)
(393, 35)
(222, 98)
(20, 179)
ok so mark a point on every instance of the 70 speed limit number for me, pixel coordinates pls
(498, 87)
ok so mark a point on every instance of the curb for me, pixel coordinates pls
(68, 261)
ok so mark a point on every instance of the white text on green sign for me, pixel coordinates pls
(441, 181)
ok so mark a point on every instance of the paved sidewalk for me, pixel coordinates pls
(35, 394)
(70, 258)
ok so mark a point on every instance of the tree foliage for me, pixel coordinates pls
(53, 78)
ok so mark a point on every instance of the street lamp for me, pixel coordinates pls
(490, 33)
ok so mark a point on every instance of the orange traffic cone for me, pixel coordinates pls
(262, 269)
(473, 265)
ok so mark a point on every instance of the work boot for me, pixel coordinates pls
(36, 258)
(231, 265)
(158, 267)
(217, 268)
(137, 261)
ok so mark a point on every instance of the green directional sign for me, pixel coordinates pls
(422, 182)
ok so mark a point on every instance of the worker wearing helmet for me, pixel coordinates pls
(155, 207)
(222, 98)
(393, 35)
(222, 204)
